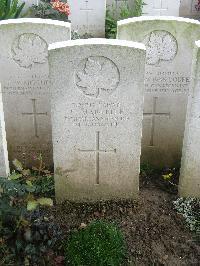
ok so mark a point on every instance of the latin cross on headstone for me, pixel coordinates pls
(35, 114)
(159, 6)
(87, 10)
(98, 151)
(153, 116)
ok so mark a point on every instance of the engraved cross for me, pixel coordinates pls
(153, 116)
(160, 6)
(34, 114)
(87, 10)
(98, 151)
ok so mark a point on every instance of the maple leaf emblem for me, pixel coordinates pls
(98, 78)
(161, 46)
(29, 49)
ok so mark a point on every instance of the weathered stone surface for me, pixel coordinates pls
(4, 164)
(189, 185)
(169, 42)
(88, 17)
(161, 8)
(97, 106)
(25, 85)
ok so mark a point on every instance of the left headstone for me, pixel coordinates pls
(97, 101)
(4, 164)
(25, 85)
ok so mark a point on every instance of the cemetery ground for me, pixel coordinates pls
(154, 233)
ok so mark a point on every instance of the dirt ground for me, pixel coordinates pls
(154, 232)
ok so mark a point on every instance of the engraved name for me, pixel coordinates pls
(167, 82)
(96, 114)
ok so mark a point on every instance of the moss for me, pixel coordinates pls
(100, 243)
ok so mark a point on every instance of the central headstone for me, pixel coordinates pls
(97, 100)
(25, 85)
(169, 42)
(88, 17)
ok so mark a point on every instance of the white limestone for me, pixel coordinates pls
(189, 185)
(97, 98)
(25, 85)
(4, 164)
(169, 42)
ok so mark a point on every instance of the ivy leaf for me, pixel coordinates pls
(45, 201)
(26, 172)
(32, 205)
(15, 176)
(29, 183)
(18, 165)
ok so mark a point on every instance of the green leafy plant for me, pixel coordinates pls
(45, 10)
(10, 9)
(111, 25)
(24, 232)
(190, 209)
(126, 11)
(99, 243)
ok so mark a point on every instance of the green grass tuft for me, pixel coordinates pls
(100, 243)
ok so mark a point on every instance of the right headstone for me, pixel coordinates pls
(161, 7)
(169, 42)
(4, 164)
(190, 9)
(189, 185)
(97, 102)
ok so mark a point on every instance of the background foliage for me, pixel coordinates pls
(10, 9)
(126, 11)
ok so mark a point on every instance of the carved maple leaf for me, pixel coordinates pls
(97, 77)
(161, 46)
(30, 49)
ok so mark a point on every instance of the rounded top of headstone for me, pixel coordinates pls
(35, 21)
(154, 18)
(97, 41)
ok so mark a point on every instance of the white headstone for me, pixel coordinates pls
(190, 9)
(25, 85)
(97, 118)
(4, 164)
(189, 185)
(169, 42)
(88, 17)
(161, 8)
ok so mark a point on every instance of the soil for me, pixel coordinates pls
(155, 234)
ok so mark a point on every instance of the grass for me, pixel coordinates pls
(100, 243)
